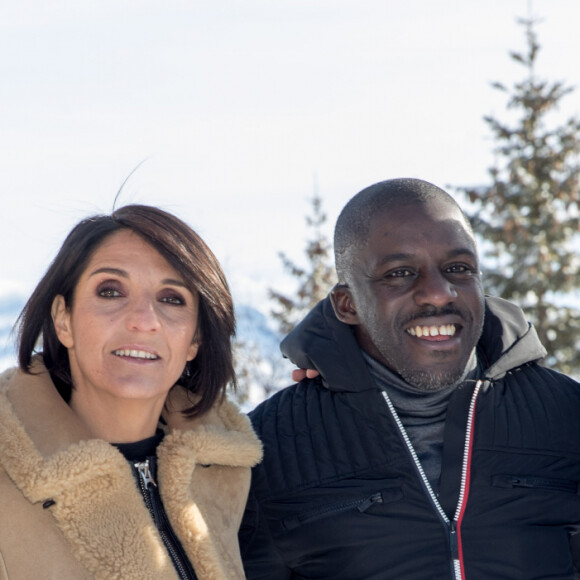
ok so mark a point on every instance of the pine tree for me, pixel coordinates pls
(529, 216)
(262, 372)
(315, 280)
(259, 373)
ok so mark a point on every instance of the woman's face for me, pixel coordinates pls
(132, 325)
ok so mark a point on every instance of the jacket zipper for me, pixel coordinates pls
(535, 483)
(453, 526)
(148, 487)
(362, 505)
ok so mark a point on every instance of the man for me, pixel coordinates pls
(432, 445)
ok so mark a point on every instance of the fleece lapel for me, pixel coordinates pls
(222, 436)
(86, 484)
(204, 479)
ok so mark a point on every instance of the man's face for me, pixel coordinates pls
(415, 295)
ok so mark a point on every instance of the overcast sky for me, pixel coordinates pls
(240, 108)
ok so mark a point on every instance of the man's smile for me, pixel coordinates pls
(443, 330)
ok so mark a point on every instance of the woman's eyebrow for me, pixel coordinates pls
(124, 274)
(115, 271)
(174, 282)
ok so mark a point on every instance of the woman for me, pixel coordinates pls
(119, 456)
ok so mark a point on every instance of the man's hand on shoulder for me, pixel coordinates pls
(301, 374)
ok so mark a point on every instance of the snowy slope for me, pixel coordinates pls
(10, 306)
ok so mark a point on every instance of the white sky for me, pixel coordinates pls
(237, 105)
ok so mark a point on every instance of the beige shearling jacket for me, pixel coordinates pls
(69, 505)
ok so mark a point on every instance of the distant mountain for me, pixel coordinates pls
(10, 307)
(254, 326)
(259, 363)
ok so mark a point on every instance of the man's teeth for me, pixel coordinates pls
(443, 330)
(136, 354)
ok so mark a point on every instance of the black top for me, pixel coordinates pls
(140, 450)
(142, 457)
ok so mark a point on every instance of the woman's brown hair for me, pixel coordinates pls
(211, 371)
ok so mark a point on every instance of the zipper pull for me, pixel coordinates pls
(453, 540)
(144, 470)
(376, 498)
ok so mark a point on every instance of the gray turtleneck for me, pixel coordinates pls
(421, 412)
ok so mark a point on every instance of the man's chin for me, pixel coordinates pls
(435, 380)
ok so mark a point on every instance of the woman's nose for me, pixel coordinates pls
(143, 316)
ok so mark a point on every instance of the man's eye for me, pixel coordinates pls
(398, 274)
(459, 269)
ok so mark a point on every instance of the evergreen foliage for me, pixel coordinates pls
(529, 217)
(260, 373)
(314, 280)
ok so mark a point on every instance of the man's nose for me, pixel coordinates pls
(435, 289)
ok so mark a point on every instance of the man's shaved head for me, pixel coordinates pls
(353, 224)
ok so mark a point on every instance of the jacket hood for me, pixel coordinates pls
(508, 340)
(324, 343)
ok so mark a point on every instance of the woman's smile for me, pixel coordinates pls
(131, 327)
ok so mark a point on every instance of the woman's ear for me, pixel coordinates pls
(343, 304)
(195, 344)
(192, 352)
(61, 320)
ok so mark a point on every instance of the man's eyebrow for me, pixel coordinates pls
(462, 252)
(124, 274)
(398, 257)
(404, 256)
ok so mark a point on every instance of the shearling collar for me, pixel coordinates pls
(88, 486)
(53, 427)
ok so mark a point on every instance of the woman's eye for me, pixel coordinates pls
(109, 292)
(173, 299)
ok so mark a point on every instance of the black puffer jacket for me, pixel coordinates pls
(340, 495)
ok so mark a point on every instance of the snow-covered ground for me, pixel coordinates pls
(10, 306)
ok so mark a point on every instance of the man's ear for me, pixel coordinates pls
(61, 320)
(343, 304)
